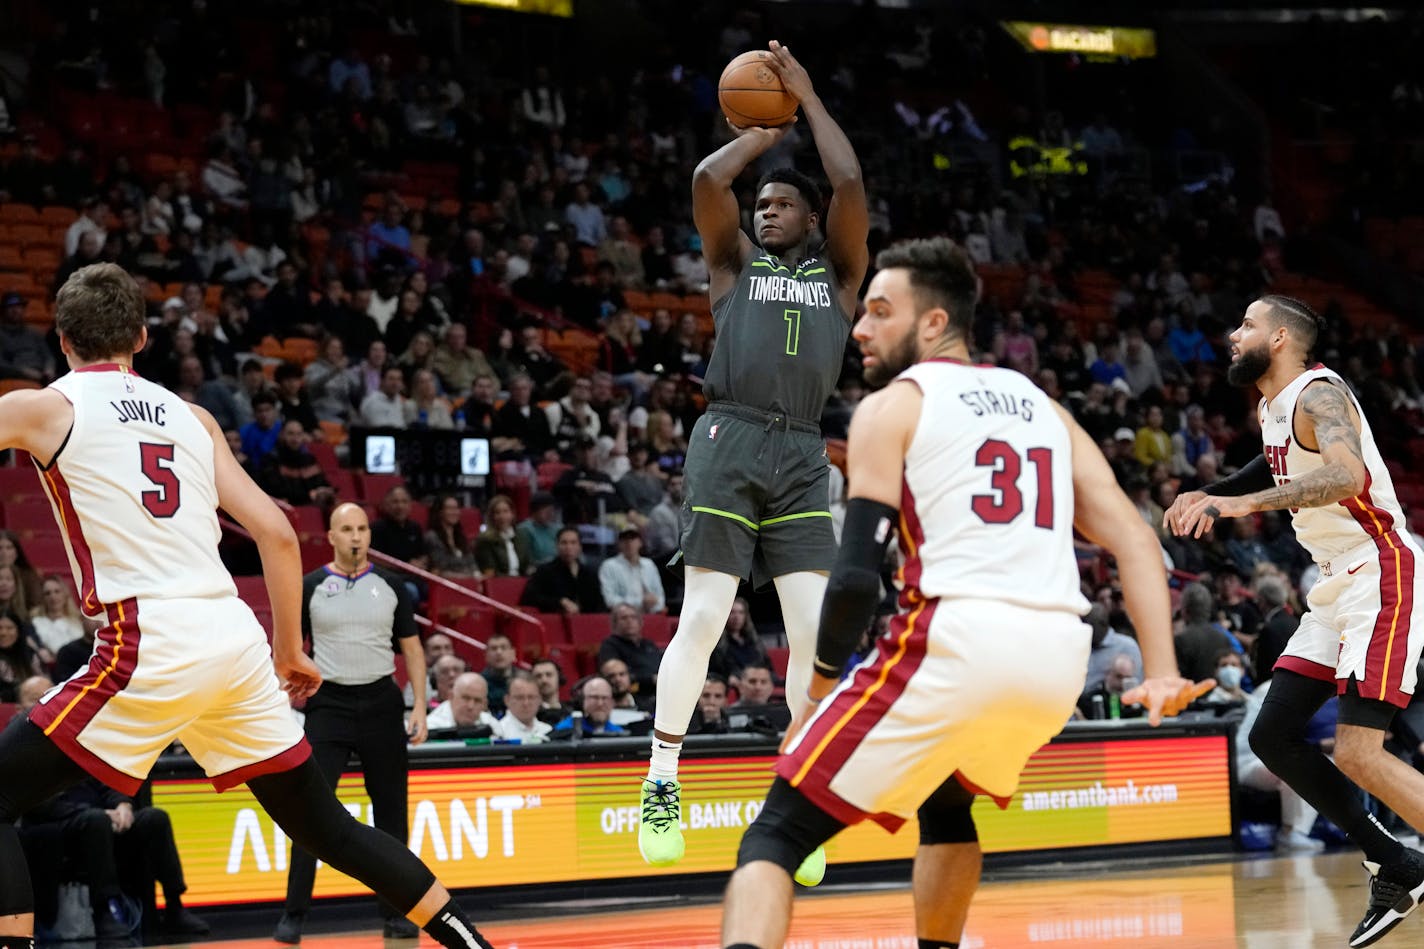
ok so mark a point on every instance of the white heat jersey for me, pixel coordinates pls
(134, 492)
(1336, 529)
(987, 511)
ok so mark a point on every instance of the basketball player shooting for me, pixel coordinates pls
(135, 476)
(986, 479)
(1360, 639)
(757, 481)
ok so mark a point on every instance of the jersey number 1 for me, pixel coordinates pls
(164, 501)
(793, 331)
(1007, 502)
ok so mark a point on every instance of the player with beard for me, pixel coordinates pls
(987, 480)
(757, 480)
(1360, 639)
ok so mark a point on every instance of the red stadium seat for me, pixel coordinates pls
(21, 481)
(535, 642)
(657, 627)
(780, 657)
(29, 519)
(471, 520)
(325, 455)
(374, 487)
(308, 522)
(47, 554)
(505, 589)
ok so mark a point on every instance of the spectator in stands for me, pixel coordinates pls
(597, 704)
(522, 423)
(1015, 347)
(630, 578)
(223, 180)
(426, 407)
(585, 492)
(540, 529)
(457, 363)
(626, 642)
(500, 551)
(521, 721)
(619, 352)
(1152, 444)
(1198, 642)
(449, 551)
(1245, 547)
(1108, 644)
(479, 411)
(1278, 624)
(329, 383)
(23, 353)
(563, 585)
(1119, 677)
(643, 487)
(572, 418)
(542, 103)
(710, 718)
(549, 678)
(1188, 343)
(739, 646)
(18, 657)
(32, 690)
(657, 260)
(443, 673)
(500, 659)
(348, 75)
(292, 397)
(1140, 365)
(666, 446)
(291, 475)
(757, 685)
(210, 394)
(584, 218)
(1230, 670)
(92, 215)
(56, 620)
(395, 533)
(251, 380)
(626, 704)
(1190, 442)
(74, 655)
(541, 365)
(370, 372)
(1107, 368)
(467, 706)
(619, 250)
(503, 357)
(663, 534)
(12, 555)
(386, 407)
(13, 596)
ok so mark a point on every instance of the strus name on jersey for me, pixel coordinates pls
(774, 289)
(984, 402)
(137, 410)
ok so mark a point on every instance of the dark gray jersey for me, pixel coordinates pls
(780, 338)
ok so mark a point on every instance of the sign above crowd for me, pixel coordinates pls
(1122, 42)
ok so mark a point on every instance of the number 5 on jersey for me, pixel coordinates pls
(164, 501)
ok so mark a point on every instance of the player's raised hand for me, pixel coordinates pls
(300, 676)
(792, 74)
(768, 135)
(1166, 696)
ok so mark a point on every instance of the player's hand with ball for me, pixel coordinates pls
(793, 75)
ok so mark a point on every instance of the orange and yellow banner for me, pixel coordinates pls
(502, 825)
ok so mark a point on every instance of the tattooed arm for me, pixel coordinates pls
(1324, 417)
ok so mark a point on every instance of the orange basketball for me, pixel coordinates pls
(751, 93)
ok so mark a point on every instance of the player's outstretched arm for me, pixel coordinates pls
(1251, 477)
(715, 211)
(847, 223)
(281, 557)
(1105, 515)
(1330, 427)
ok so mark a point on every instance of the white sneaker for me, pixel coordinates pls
(1295, 842)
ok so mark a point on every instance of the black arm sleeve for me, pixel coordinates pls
(854, 587)
(1251, 477)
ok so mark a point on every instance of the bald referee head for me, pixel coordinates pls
(350, 537)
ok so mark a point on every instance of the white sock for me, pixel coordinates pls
(663, 766)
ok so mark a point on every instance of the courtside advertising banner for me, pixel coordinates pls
(503, 825)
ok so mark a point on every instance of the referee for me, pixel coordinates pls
(353, 613)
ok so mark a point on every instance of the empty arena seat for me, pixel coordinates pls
(505, 589)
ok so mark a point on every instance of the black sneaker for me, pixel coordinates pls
(181, 921)
(289, 929)
(401, 929)
(119, 919)
(1395, 890)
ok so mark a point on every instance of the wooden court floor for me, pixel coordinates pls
(1266, 903)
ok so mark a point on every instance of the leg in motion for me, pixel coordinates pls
(947, 866)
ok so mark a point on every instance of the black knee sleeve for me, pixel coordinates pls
(306, 808)
(787, 830)
(1278, 737)
(946, 816)
(17, 895)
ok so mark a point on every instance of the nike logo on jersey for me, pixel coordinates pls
(1351, 571)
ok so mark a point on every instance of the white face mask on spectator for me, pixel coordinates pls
(1229, 677)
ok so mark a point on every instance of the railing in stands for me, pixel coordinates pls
(408, 568)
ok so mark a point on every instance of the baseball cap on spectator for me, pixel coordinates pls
(1124, 434)
(541, 500)
(1120, 385)
(11, 299)
(629, 532)
(171, 302)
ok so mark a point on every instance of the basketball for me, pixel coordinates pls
(751, 92)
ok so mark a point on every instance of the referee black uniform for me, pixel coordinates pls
(353, 623)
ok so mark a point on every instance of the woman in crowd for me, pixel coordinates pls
(738, 646)
(499, 550)
(664, 444)
(12, 592)
(427, 408)
(449, 549)
(13, 555)
(18, 658)
(56, 619)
